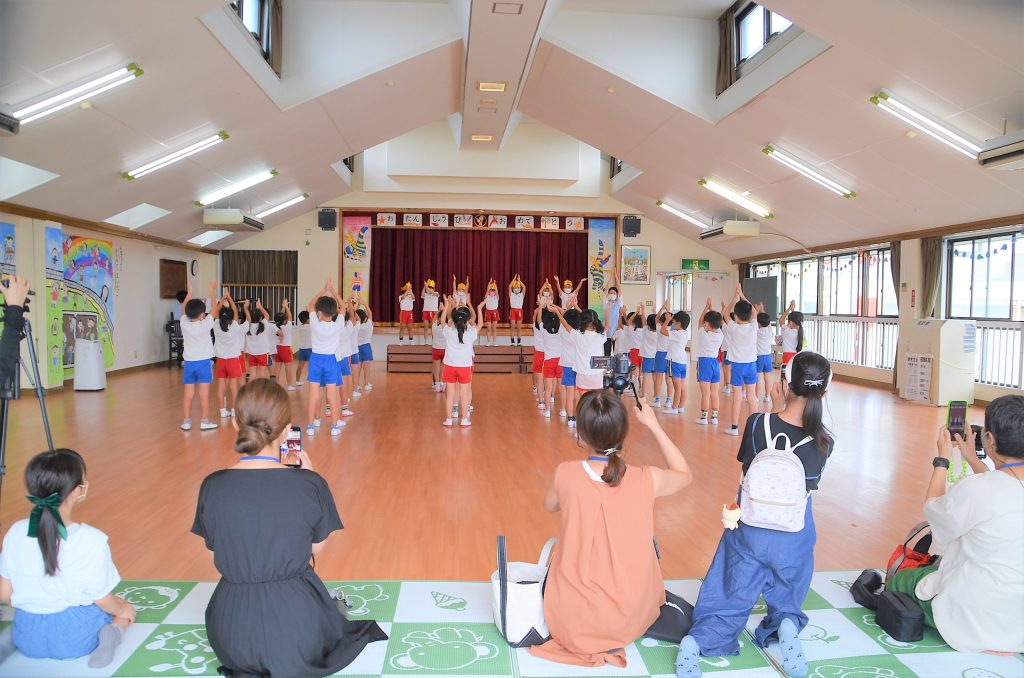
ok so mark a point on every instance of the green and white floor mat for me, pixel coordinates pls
(445, 629)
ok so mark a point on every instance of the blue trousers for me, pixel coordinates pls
(750, 562)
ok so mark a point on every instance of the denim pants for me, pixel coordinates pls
(751, 562)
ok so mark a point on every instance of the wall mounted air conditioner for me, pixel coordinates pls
(9, 125)
(231, 219)
(1004, 153)
(733, 227)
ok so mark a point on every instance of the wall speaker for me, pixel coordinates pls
(630, 225)
(327, 219)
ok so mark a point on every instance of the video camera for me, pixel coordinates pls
(617, 373)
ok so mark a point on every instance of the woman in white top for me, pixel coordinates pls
(974, 597)
(516, 297)
(229, 338)
(459, 334)
(59, 575)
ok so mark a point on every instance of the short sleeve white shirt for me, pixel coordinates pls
(456, 354)
(538, 339)
(286, 334)
(765, 337)
(623, 340)
(566, 356)
(406, 302)
(429, 302)
(742, 342)
(662, 342)
(552, 344)
(365, 332)
(258, 344)
(491, 302)
(229, 344)
(648, 343)
(437, 337)
(516, 300)
(324, 335)
(196, 336)
(587, 345)
(709, 343)
(302, 336)
(789, 339)
(344, 347)
(677, 346)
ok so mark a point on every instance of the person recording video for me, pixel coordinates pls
(15, 291)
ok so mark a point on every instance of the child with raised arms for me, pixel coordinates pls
(324, 372)
(437, 346)
(550, 324)
(229, 338)
(492, 315)
(742, 335)
(364, 336)
(791, 332)
(343, 353)
(305, 348)
(538, 355)
(285, 337)
(430, 298)
(516, 297)
(765, 340)
(197, 353)
(59, 575)
(568, 320)
(589, 342)
(678, 334)
(257, 341)
(661, 357)
(459, 334)
(648, 352)
(406, 301)
(460, 292)
(709, 370)
(569, 295)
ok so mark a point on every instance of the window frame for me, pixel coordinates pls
(262, 37)
(951, 244)
(768, 34)
(885, 278)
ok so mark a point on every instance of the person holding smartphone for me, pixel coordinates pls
(270, 613)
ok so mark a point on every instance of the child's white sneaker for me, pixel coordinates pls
(207, 425)
(300, 383)
(547, 413)
(336, 429)
(357, 394)
(703, 420)
(224, 413)
(465, 423)
(186, 425)
(346, 412)
(732, 431)
(316, 422)
(714, 421)
(670, 410)
(541, 406)
(447, 423)
(293, 387)
(563, 414)
(369, 387)
(310, 430)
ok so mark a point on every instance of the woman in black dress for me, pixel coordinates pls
(270, 614)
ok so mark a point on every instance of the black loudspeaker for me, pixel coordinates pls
(327, 219)
(630, 225)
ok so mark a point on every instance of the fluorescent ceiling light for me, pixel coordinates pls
(286, 203)
(808, 171)
(735, 197)
(947, 135)
(481, 137)
(231, 189)
(682, 215)
(176, 156)
(491, 86)
(207, 237)
(77, 94)
(137, 216)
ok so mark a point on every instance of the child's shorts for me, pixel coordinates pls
(764, 364)
(437, 354)
(228, 368)
(724, 357)
(197, 372)
(634, 357)
(538, 362)
(284, 354)
(354, 359)
(552, 370)
(428, 316)
(709, 370)
(258, 360)
(647, 365)
(515, 314)
(678, 370)
(744, 374)
(457, 375)
(344, 368)
(302, 355)
(68, 634)
(365, 353)
(786, 357)
(492, 316)
(568, 376)
(661, 362)
(405, 317)
(323, 369)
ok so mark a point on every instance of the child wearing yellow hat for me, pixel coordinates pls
(492, 315)
(406, 301)
(430, 299)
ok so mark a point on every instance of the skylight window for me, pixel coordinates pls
(755, 27)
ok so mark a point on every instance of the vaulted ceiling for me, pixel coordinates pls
(633, 78)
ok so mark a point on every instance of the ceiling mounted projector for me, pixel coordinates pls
(733, 227)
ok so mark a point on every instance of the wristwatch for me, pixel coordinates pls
(939, 462)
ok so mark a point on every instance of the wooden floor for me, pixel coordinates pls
(423, 502)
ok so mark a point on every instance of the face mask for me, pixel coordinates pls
(613, 297)
(517, 290)
(567, 289)
(492, 294)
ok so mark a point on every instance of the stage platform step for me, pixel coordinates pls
(489, 359)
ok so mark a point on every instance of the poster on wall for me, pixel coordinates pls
(497, 221)
(917, 377)
(77, 325)
(600, 260)
(463, 221)
(55, 297)
(549, 223)
(7, 248)
(524, 222)
(574, 223)
(636, 265)
(439, 220)
(412, 219)
(356, 241)
(386, 219)
(89, 285)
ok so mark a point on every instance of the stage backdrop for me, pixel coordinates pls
(413, 255)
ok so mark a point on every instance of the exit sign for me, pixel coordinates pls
(696, 265)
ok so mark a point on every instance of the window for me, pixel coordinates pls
(679, 292)
(841, 284)
(985, 277)
(802, 285)
(881, 295)
(255, 16)
(755, 26)
(768, 271)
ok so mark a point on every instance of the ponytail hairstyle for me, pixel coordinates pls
(262, 412)
(224, 316)
(809, 375)
(590, 321)
(279, 319)
(602, 424)
(797, 318)
(256, 316)
(460, 318)
(56, 472)
(683, 318)
(572, 316)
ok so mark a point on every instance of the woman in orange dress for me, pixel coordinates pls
(604, 586)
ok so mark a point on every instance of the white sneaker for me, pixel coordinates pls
(310, 430)
(207, 425)
(368, 387)
(224, 413)
(534, 390)
(670, 410)
(357, 394)
(703, 421)
(466, 423)
(547, 413)
(293, 387)
(714, 421)
(541, 406)
(447, 423)
(336, 429)
(316, 422)
(732, 431)
(563, 414)
(300, 383)
(186, 425)
(572, 422)
(345, 412)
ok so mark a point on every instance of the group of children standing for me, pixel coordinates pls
(249, 341)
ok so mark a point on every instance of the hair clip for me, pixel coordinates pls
(814, 382)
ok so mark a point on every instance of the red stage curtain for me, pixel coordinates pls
(405, 254)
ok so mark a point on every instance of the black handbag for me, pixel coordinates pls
(674, 620)
(866, 588)
(900, 616)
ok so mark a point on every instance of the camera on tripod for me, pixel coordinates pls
(617, 371)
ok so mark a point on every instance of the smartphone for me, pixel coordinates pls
(956, 418)
(292, 446)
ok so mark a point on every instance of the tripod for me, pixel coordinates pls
(11, 391)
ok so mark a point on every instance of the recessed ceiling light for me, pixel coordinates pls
(507, 8)
(78, 94)
(207, 237)
(171, 158)
(137, 216)
(482, 137)
(491, 86)
(487, 109)
(389, 83)
(286, 203)
(231, 189)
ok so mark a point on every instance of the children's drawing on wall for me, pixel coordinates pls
(7, 248)
(88, 265)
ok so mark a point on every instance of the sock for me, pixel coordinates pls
(110, 638)
(703, 414)
(714, 414)
(6, 644)
(793, 659)
(688, 659)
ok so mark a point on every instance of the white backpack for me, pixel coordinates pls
(773, 491)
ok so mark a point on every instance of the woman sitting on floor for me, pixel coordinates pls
(604, 586)
(270, 614)
(974, 597)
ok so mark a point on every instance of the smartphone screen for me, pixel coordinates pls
(291, 448)
(956, 419)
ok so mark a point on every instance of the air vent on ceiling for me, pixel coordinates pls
(9, 125)
(1004, 153)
